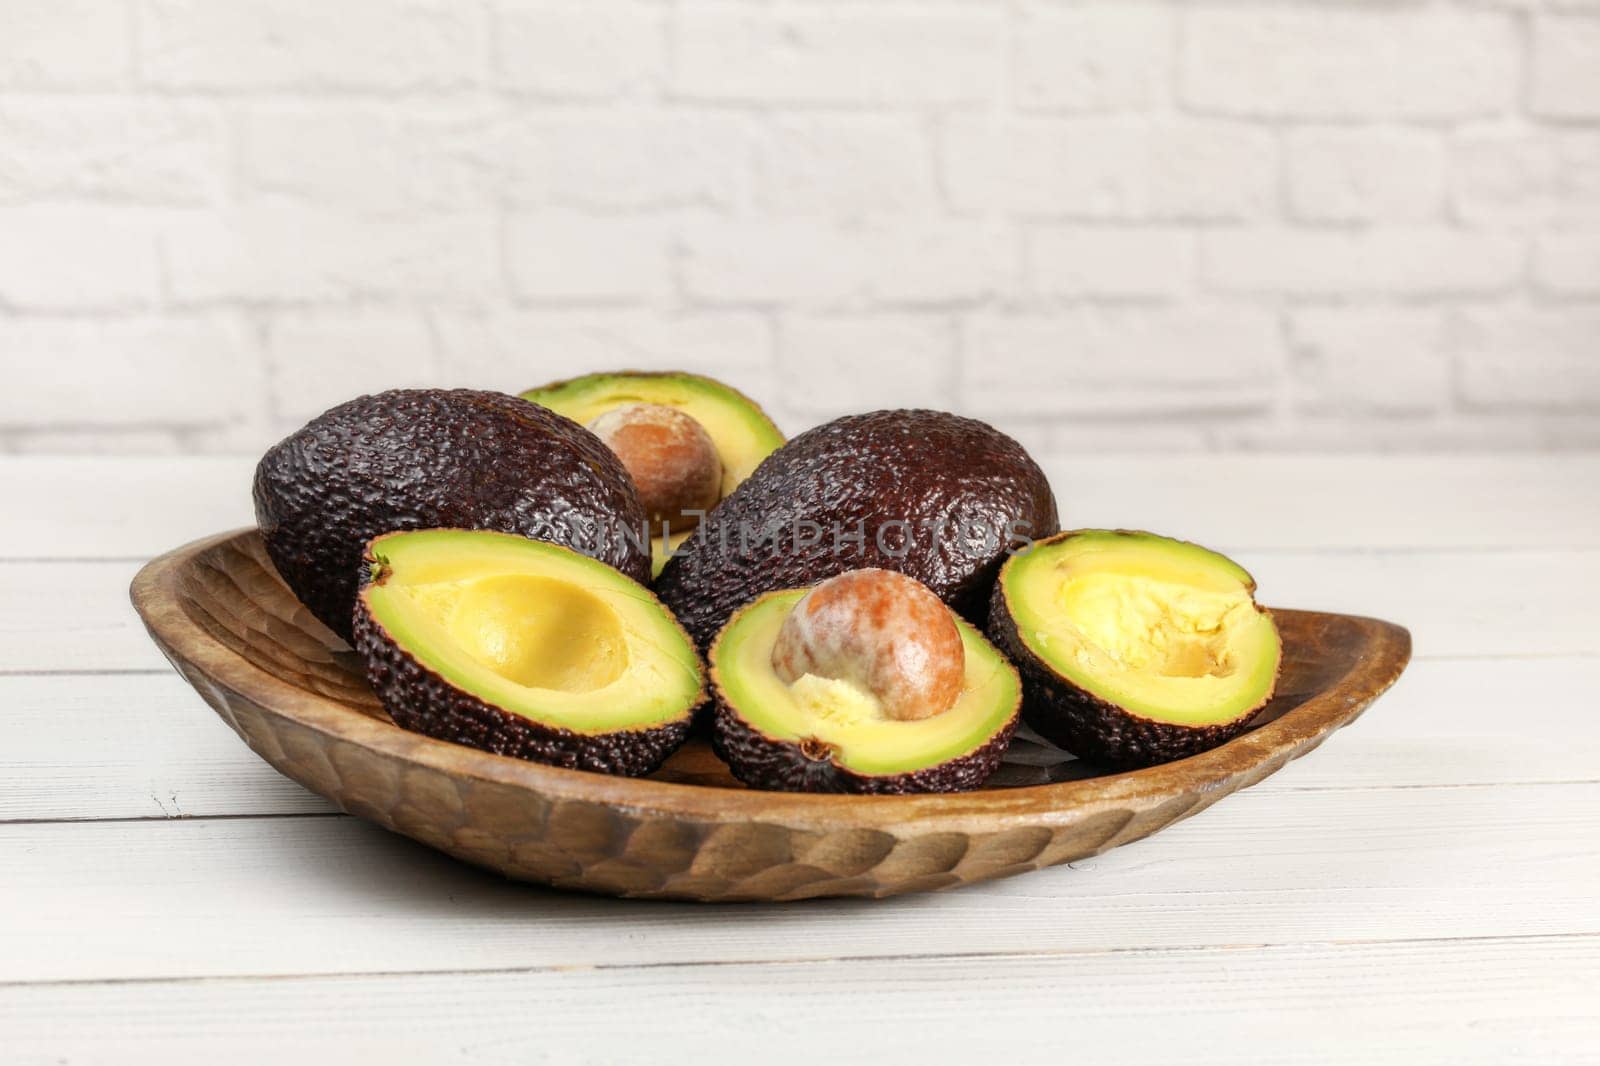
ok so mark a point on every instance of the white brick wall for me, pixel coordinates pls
(1120, 224)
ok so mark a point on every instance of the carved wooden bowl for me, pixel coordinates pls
(297, 696)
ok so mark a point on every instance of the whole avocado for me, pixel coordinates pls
(933, 495)
(432, 458)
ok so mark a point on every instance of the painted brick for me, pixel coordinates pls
(1364, 175)
(96, 442)
(579, 50)
(838, 56)
(368, 158)
(158, 152)
(77, 258)
(1111, 168)
(1218, 224)
(522, 349)
(1568, 263)
(1565, 81)
(890, 361)
(1551, 176)
(1420, 262)
(1109, 261)
(627, 162)
(130, 373)
(288, 254)
(354, 44)
(1529, 358)
(65, 44)
(808, 264)
(562, 256)
(1370, 360)
(1349, 61)
(1099, 361)
(1110, 57)
(318, 359)
(846, 166)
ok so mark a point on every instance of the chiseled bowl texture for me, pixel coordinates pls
(296, 695)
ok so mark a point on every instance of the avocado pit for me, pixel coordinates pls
(853, 685)
(671, 458)
(871, 643)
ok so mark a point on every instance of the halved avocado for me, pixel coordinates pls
(524, 648)
(1134, 649)
(829, 736)
(739, 429)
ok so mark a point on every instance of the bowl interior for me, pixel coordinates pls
(232, 591)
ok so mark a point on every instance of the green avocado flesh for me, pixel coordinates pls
(533, 629)
(845, 718)
(742, 432)
(1161, 628)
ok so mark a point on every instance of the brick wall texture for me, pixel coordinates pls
(1118, 224)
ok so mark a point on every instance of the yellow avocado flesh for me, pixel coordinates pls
(743, 435)
(534, 629)
(847, 718)
(1162, 628)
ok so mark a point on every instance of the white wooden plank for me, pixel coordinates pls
(1465, 722)
(71, 617)
(1234, 502)
(334, 895)
(139, 746)
(1494, 1002)
(128, 507)
(87, 507)
(68, 616)
(1456, 603)
(146, 746)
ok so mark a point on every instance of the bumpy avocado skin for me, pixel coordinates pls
(1094, 729)
(776, 765)
(420, 700)
(428, 458)
(916, 467)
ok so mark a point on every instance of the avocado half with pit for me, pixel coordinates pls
(687, 440)
(1134, 649)
(803, 731)
(524, 648)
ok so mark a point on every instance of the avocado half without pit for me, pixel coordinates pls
(526, 649)
(1134, 649)
(865, 683)
(686, 440)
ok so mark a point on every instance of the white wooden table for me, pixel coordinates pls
(1424, 888)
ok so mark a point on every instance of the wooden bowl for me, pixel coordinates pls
(297, 696)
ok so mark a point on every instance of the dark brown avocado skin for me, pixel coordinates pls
(1089, 727)
(921, 468)
(420, 700)
(430, 458)
(765, 762)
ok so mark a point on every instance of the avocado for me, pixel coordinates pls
(424, 458)
(935, 496)
(674, 484)
(1134, 649)
(862, 713)
(524, 648)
